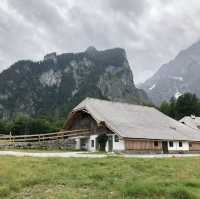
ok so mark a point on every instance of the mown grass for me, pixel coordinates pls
(112, 178)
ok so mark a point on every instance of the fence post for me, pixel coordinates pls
(14, 141)
(10, 137)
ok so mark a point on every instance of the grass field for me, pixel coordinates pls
(74, 178)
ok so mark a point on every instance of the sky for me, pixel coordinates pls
(151, 31)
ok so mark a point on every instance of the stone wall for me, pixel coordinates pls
(66, 144)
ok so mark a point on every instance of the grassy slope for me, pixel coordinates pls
(75, 178)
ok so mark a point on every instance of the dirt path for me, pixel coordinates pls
(49, 154)
(87, 155)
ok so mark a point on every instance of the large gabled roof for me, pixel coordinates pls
(134, 121)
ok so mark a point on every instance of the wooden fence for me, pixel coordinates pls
(9, 139)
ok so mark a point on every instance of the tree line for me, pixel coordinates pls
(186, 105)
(24, 125)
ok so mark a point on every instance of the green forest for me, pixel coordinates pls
(186, 105)
(27, 125)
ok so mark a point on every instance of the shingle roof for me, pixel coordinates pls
(134, 121)
(191, 121)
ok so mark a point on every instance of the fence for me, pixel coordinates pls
(9, 139)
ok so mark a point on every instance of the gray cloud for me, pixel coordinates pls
(128, 8)
(152, 32)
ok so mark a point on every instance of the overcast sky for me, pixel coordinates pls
(151, 31)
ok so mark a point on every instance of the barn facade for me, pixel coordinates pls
(122, 127)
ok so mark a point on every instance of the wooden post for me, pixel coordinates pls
(10, 137)
(39, 138)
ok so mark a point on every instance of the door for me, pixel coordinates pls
(84, 143)
(165, 147)
(110, 143)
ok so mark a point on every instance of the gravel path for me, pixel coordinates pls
(49, 154)
(87, 155)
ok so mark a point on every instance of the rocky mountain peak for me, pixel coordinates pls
(176, 77)
(51, 56)
(59, 82)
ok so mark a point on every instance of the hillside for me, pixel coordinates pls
(59, 82)
(176, 77)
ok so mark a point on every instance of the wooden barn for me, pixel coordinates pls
(122, 127)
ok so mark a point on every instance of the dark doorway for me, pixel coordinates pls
(165, 147)
(110, 143)
(101, 142)
(84, 143)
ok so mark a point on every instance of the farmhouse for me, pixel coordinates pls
(191, 121)
(114, 126)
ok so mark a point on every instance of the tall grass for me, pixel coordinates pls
(112, 178)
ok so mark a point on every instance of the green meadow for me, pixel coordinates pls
(111, 177)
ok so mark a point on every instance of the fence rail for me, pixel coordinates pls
(9, 139)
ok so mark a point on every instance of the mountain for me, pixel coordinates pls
(54, 85)
(176, 77)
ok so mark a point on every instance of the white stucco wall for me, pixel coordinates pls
(117, 146)
(90, 148)
(185, 146)
(77, 143)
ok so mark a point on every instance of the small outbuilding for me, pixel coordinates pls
(122, 127)
(191, 121)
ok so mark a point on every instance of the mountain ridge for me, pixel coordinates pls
(55, 84)
(176, 77)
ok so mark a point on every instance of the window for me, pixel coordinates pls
(180, 144)
(171, 144)
(156, 143)
(92, 143)
(116, 138)
(190, 144)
